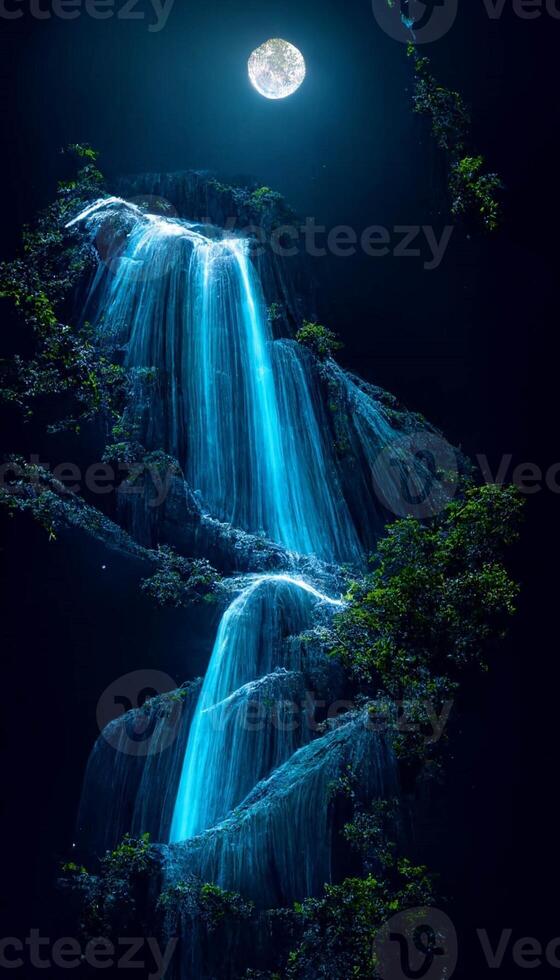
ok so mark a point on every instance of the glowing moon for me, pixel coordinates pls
(276, 69)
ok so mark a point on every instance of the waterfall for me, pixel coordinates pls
(224, 761)
(235, 411)
(276, 846)
(325, 513)
(274, 443)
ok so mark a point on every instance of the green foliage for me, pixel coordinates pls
(259, 206)
(71, 868)
(438, 596)
(331, 936)
(449, 116)
(368, 834)
(54, 255)
(474, 192)
(162, 463)
(68, 376)
(132, 856)
(56, 365)
(139, 467)
(217, 904)
(84, 151)
(339, 929)
(178, 696)
(210, 903)
(262, 195)
(265, 199)
(178, 581)
(337, 932)
(275, 312)
(344, 784)
(269, 209)
(114, 901)
(30, 488)
(127, 453)
(140, 390)
(319, 339)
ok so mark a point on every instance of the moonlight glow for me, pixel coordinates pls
(276, 69)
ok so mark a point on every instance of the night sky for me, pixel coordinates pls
(345, 150)
(469, 344)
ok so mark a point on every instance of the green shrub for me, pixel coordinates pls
(339, 929)
(319, 339)
(473, 192)
(179, 581)
(207, 901)
(54, 364)
(438, 596)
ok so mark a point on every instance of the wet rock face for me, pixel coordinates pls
(287, 824)
(198, 196)
(179, 520)
(133, 771)
(193, 194)
(285, 470)
(267, 700)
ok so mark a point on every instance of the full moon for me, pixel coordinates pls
(276, 69)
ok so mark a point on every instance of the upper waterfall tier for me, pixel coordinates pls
(192, 306)
(243, 413)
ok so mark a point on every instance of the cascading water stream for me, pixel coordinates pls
(246, 416)
(192, 306)
(226, 756)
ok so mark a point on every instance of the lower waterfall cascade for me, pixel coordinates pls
(245, 651)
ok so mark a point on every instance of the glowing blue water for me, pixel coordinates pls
(246, 417)
(228, 749)
(235, 410)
